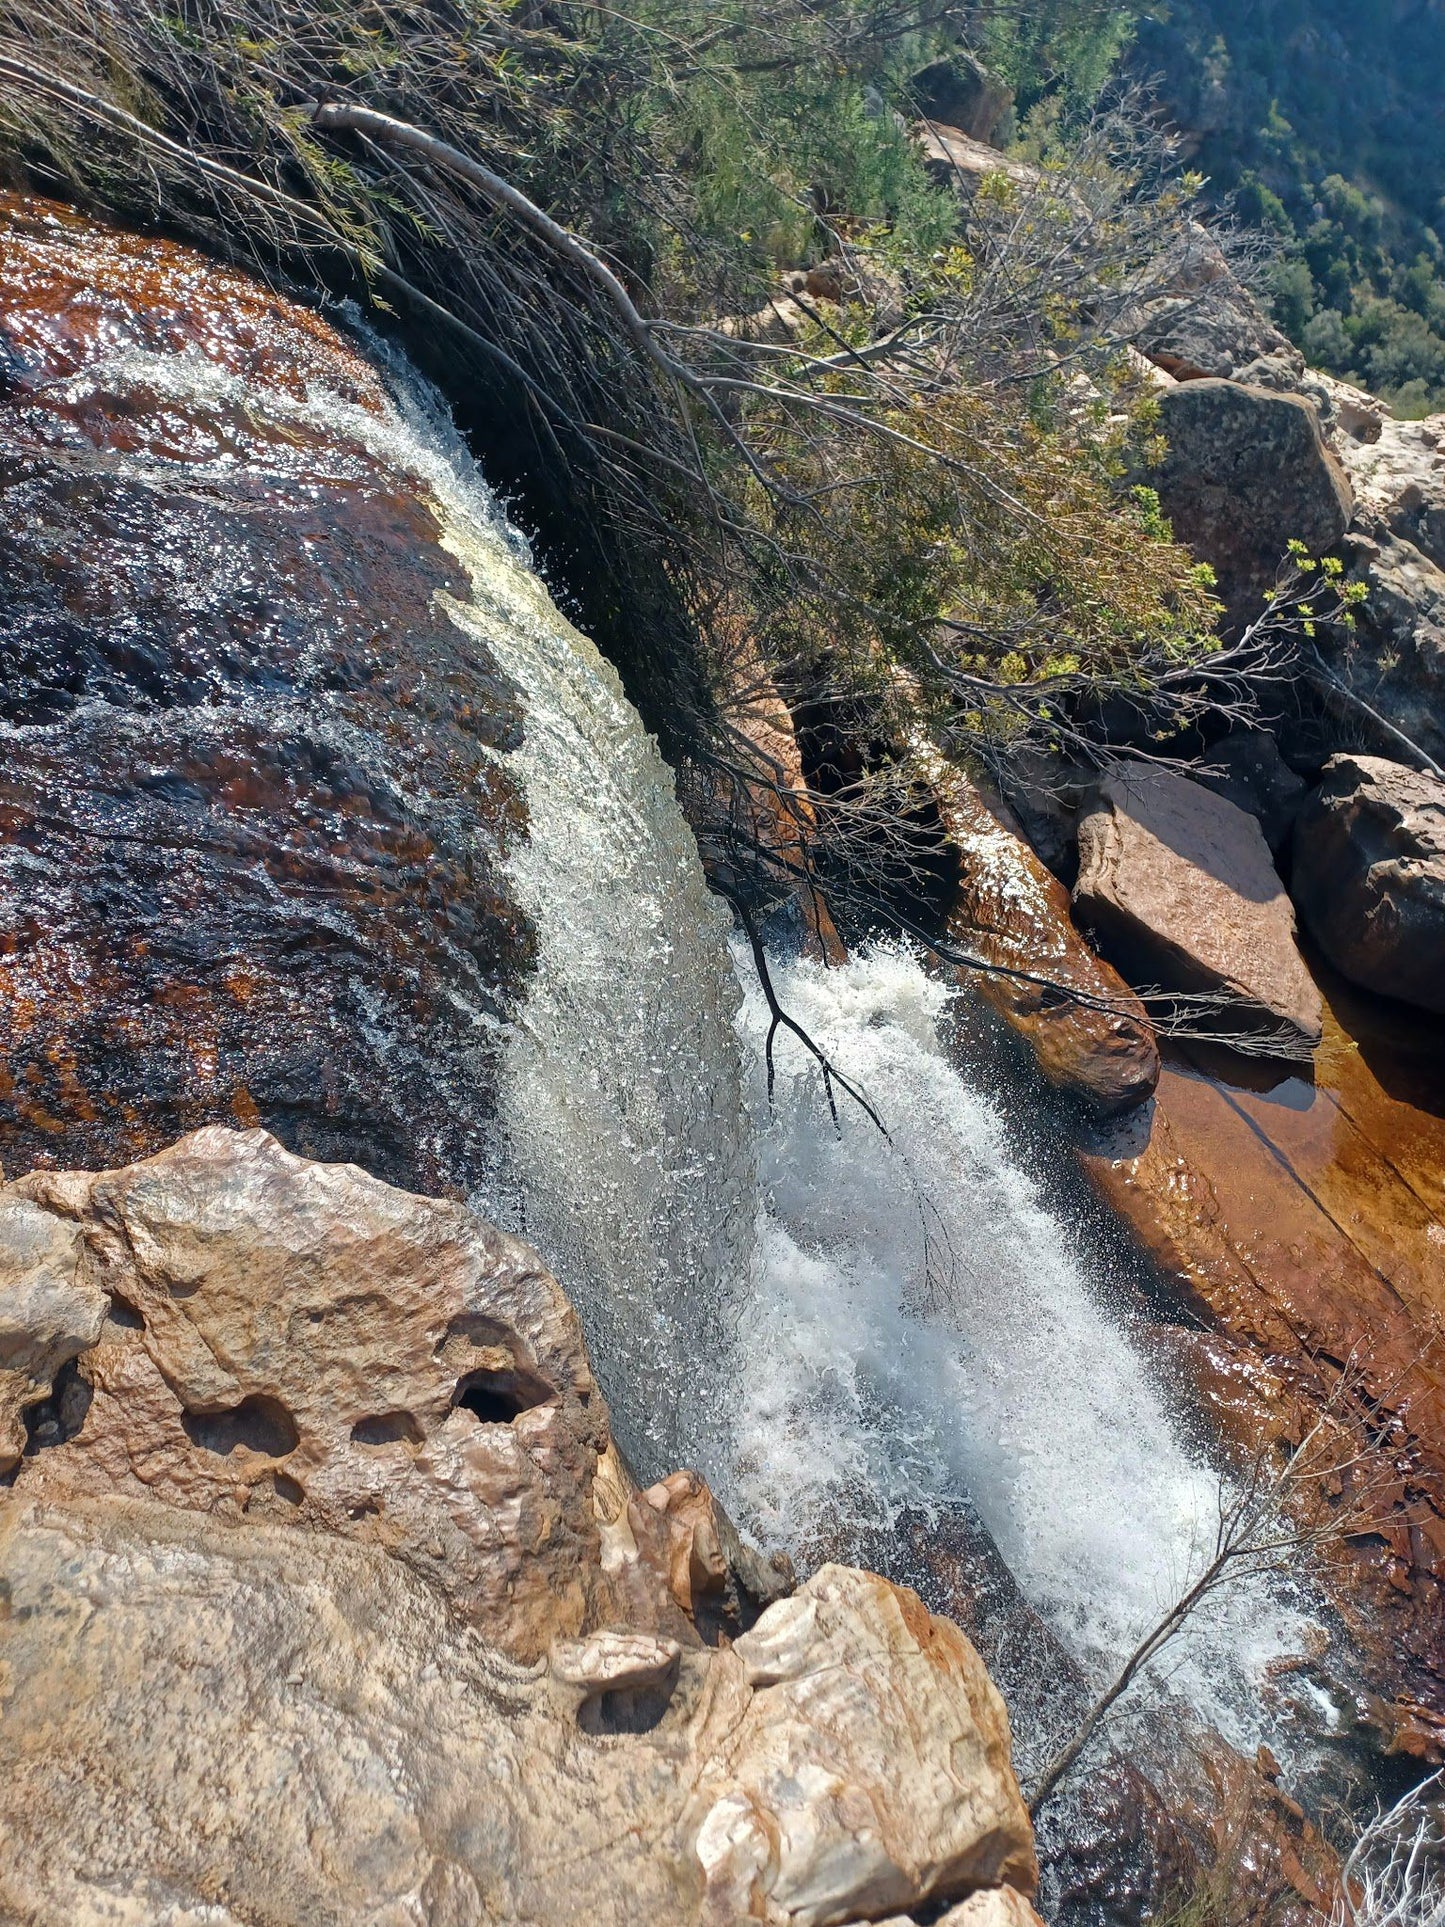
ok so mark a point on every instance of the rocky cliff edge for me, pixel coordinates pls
(324, 1597)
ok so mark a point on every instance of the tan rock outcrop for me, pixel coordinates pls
(1179, 884)
(1011, 912)
(958, 159)
(50, 1312)
(1398, 476)
(328, 1600)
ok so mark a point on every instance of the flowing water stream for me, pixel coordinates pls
(832, 1327)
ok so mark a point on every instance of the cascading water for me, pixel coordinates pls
(924, 1330)
(823, 1322)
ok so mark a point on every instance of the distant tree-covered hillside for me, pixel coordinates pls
(1325, 119)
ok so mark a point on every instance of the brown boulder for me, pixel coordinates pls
(956, 159)
(1085, 1027)
(1179, 885)
(1369, 876)
(961, 92)
(325, 1597)
(1247, 472)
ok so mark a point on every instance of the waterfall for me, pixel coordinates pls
(925, 1329)
(622, 1148)
(821, 1321)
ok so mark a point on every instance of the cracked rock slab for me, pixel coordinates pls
(1180, 886)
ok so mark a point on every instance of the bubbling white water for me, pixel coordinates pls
(877, 1326)
(921, 1330)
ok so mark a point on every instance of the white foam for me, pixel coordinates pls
(896, 1356)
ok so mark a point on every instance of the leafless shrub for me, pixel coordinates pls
(1394, 1875)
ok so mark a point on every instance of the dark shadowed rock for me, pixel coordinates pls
(961, 92)
(1369, 876)
(1395, 660)
(1179, 885)
(1247, 472)
(1246, 768)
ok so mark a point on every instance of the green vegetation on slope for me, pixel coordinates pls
(902, 481)
(1326, 121)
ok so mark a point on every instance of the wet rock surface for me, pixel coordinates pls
(1301, 1220)
(254, 800)
(1179, 885)
(1369, 876)
(1010, 912)
(391, 1635)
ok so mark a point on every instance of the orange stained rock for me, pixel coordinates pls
(1305, 1220)
(1011, 912)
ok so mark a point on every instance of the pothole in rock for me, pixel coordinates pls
(59, 1417)
(386, 1428)
(496, 1398)
(259, 1424)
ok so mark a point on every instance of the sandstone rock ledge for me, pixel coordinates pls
(325, 1598)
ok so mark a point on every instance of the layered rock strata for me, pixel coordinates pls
(325, 1598)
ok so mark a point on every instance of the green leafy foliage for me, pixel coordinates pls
(1325, 122)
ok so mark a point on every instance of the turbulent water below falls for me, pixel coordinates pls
(924, 1329)
(830, 1326)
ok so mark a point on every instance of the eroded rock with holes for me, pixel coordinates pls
(324, 1596)
(303, 1341)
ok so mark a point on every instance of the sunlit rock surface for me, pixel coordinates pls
(254, 801)
(326, 1599)
(1179, 884)
(1246, 473)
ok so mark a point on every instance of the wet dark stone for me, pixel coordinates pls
(253, 801)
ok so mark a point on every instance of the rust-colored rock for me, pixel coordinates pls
(761, 806)
(1304, 1221)
(255, 801)
(1012, 913)
(322, 1600)
(1180, 887)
